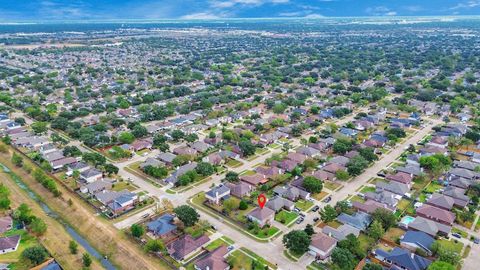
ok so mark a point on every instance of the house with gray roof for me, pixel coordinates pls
(163, 226)
(460, 199)
(262, 216)
(151, 162)
(429, 227)
(411, 169)
(9, 243)
(394, 187)
(359, 220)
(217, 194)
(173, 179)
(278, 203)
(291, 192)
(166, 157)
(341, 232)
(91, 175)
(414, 240)
(441, 201)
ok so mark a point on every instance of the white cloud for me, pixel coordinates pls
(314, 16)
(200, 16)
(466, 5)
(380, 11)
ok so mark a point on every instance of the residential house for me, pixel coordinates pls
(460, 199)
(254, 180)
(370, 206)
(359, 220)
(151, 162)
(173, 179)
(262, 216)
(185, 245)
(278, 203)
(200, 146)
(323, 175)
(291, 192)
(309, 152)
(78, 166)
(436, 214)
(166, 158)
(185, 150)
(96, 186)
(6, 223)
(217, 194)
(394, 187)
(322, 246)
(384, 197)
(9, 243)
(239, 189)
(214, 159)
(441, 201)
(341, 232)
(402, 259)
(415, 240)
(429, 227)
(163, 226)
(214, 260)
(411, 169)
(401, 177)
(91, 175)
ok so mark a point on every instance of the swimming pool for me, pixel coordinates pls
(407, 220)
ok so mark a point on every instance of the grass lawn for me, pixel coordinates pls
(215, 244)
(466, 251)
(320, 196)
(451, 245)
(357, 198)
(26, 241)
(374, 181)
(393, 234)
(367, 189)
(227, 240)
(334, 224)
(285, 217)
(274, 146)
(477, 226)
(304, 205)
(261, 151)
(247, 172)
(462, 233)
(331, 185)
(403, 204)
(258, 258)
(250, 158)
(233, 163)
(265, 232)
(422, 198)
(433, 187)
(365, 241)
(243, 260)
(119, 186)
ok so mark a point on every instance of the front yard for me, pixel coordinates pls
(285, 217)
(304, 205)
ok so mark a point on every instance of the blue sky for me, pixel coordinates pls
(21, 10)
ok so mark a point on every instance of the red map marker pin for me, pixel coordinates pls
(261, 200)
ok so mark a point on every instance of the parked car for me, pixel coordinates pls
(301, 214)
(316, 219)
(381, 174)
(230, 248)
(328, 199)
(315, 208)
(476, 240)
(300, 220)
(456, 235)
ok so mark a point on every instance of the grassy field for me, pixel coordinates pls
(286, 217)
(234, 163)
(56, 239)
(215, 244)
(331, 185)
(119, 186)
(304, 205)
(320, 196)
(393, 234)
(100, 233)
(367, 189)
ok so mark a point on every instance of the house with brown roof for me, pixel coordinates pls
(185, 245)
(436, 214)
(214, 260)
(333, 168)
(269, 172)
(240, 189)
(297, 157)
(324, 175)
(401, 177)
(322, 246)
(370, 206)
(262, 216)
(254, 180)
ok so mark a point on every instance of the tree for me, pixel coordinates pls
(17, 160)
(187, 215)
(243, 205)
(71, 151)
(87, 261)
(368, 154)
(154, 245)
(177, 135)
(126, 137)
(440, 265)
(230, 204)
(191, 137)
(39, 127)
(342, 175)
(376, 230)
(372, 266)
(342, 146)
(312, 184)
(231, 176)
(297, 241)
(343, 258)
(448, 256)
(352, 244)
(328, 214)
(38, 226)
(205, 169)
(309, 229)
(247, 147)
(137, 230)
(356, 165)
(110, 169)
(36, 254)
(4, 197)
(73, 246)
(386, 218)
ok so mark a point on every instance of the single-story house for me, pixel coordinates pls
(217, 194)
(262, 216)
(185, 245)
(163, 226)
(322, 246)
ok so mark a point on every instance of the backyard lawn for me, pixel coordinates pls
(285, 217)
(367, 189)
(433, 187)
(365, 241)
(303, 205)
(215, 244)
(451, 245)
(26, 241)
(403, 204)
(393, 234)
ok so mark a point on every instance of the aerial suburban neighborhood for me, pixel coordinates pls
(332, 144)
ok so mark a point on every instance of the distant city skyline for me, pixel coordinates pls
(11, 11)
